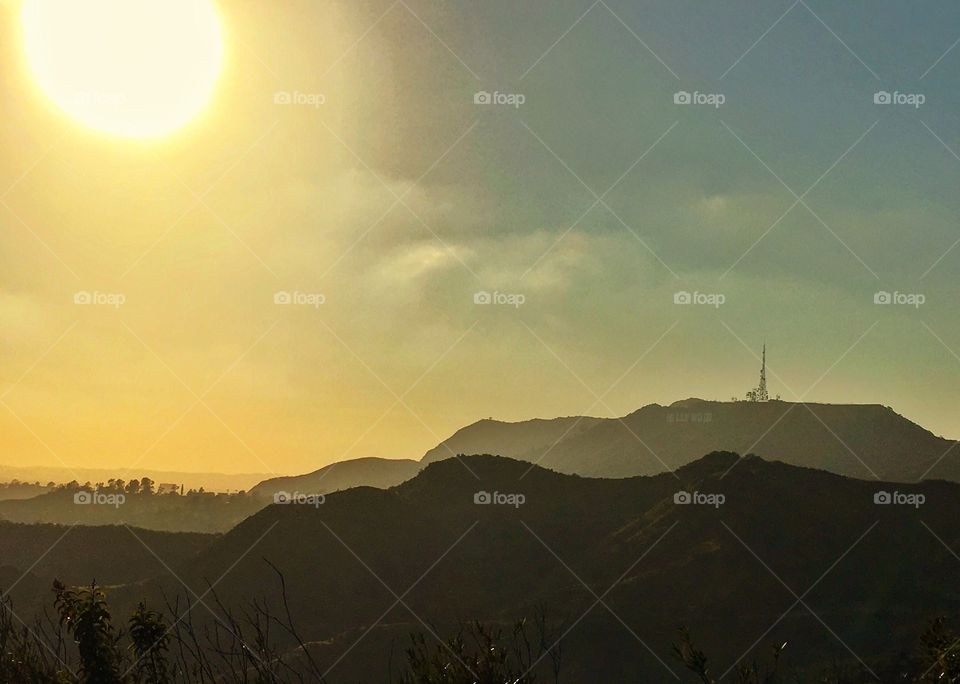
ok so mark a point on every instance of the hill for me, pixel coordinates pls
(213, 482)
(32, 556)
(21, 490)
(863, 441)
(511, 439)
(204, 512)
(374, 565)
(866, 441)
(70, 553)
(373, 472)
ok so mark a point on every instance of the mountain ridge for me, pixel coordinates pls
(370, 470)
(849, 439)
(858, 440)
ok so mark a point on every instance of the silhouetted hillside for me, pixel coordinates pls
(510, 439)
(31, 556)
(372, 472)
(864, 441)
(21, 490)
(112, 554)
(215, 482)
(730, 571)
(195, 512)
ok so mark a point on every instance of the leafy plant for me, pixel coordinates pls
(150, 639)
(85, 614)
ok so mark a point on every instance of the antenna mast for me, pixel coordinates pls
(760, 393)
(762, 389)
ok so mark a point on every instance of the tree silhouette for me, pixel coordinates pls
(84, 613)
(150, 638)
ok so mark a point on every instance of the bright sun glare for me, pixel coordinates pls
(134, 68)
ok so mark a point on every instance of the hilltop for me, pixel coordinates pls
(373, 472)
(866, 441)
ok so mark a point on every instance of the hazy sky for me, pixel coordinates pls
(398, 198)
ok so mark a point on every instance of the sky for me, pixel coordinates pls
(293, 278)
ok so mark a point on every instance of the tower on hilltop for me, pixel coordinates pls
(760, 393)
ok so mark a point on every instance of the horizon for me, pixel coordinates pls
(264, 476)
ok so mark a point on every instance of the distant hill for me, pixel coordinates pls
(373, 472)
(21, 490)
(485, 436)
(511, 439)
(864, 441)
(212, 482)
(195, 512)
(876, 573)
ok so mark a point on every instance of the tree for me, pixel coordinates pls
(483, 654)
(695, 660)
(85, 614)
(941, 654)
(150, 638)
(146, 486)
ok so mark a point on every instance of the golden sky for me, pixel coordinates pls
(342, 160)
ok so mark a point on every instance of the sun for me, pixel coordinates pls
(133, 68)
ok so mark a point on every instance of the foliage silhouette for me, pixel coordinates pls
(170, 648)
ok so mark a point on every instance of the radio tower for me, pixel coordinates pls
(760, 393)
